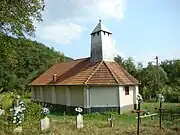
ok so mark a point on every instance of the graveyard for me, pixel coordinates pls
(95, 123)
(60, 74)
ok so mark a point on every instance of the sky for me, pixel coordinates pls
(141, 29)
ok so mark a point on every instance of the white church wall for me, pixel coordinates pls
(32, 93)
(60, 95)
(36, 92)
(47, 91)
(126, 99)
(104, 96)
(77, 96)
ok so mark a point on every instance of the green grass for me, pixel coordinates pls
(127, 118)
(96, 123)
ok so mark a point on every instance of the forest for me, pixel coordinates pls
(22, 60)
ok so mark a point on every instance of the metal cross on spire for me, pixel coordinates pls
(99, 19)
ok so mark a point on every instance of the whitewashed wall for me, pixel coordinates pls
(101, 96)
(47, 91)
(77, 96)
(60, 95)
(36, 92)
(128, 99)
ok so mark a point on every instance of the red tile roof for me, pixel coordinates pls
(84, 72)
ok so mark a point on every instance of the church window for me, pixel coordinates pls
(126, 90)
(104, 33)
(93, 34)
(98, 33)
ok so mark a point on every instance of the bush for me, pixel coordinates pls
(32, 112)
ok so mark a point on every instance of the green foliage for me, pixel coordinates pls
(127, 64)
(22, 61)
(167, 74)
(17, 17)
(32, 111)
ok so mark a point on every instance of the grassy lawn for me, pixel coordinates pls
(97, 124)
(125, 124)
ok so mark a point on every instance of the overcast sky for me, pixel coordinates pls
(141, 29)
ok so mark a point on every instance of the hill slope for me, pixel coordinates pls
(22, 60)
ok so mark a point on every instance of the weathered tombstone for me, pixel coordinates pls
(18, 113)
(79, 118)
(45, 122)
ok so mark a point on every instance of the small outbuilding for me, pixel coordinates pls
(96, 83)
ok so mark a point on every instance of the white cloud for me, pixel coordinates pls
(64, 20)
(61, 33)
(81, 10)
(110, 50)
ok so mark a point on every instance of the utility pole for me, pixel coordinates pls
(157, 65)
(157, 81)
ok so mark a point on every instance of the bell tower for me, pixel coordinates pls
(101, 40)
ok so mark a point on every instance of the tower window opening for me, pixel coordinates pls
(104, 33)
(98, 33)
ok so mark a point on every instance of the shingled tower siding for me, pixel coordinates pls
(101, 40)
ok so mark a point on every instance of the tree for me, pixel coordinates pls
(172, 67)
(28, 61)
(149, 80)
(127, 64)
(118, 59)
(17, 17)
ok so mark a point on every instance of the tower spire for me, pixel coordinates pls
(101, 40)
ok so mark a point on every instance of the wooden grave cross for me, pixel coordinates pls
(111, 119)
(161, 100)
(138, 111)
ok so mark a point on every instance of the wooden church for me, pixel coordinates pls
(96, 83)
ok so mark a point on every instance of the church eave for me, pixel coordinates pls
(100, 31)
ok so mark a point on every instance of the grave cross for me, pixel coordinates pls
(138, 111)
(160, 99)
(111, 119)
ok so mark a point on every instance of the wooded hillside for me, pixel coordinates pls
(21, 60)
